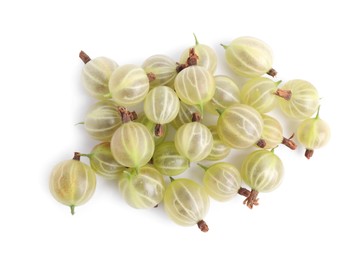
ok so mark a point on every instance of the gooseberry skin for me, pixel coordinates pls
(164, 69)
(132, 145)
(249, 57)
(194, 141)
(222, 181)
(304, 99)
(195, 85)
(143, 189)
(161, 105)
(95, 76)
(184, 115)
(102, 120)
(272, 132)
(186, 202)
(129, 85)
(102, 161)
(168, 160)
(72, 183)
(219, 150)
(260, 94)
(313, 133)
(226, 94)
(262, 170)
(240, 126)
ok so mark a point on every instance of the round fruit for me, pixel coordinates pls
(262, 171)
(186, 203)
(128, 85)
(303, 100)
(96, 74)
(249, 57)
(72, 182)
(240, 126)
(168, 160)
(313, 133)
(102, 120)
(143, 189)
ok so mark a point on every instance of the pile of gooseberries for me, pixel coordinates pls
(140, 151)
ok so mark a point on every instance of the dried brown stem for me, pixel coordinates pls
(84, 57)
(308, 153)
(272, 72)
(252, 199)
(283, 93)
(151, 76)
(196, 117)
(191, 61)
(180, 67)
(76, 156)
(159, 130)
(193, 58)
(134, 116)
(202, 226)
(246, 193)
(288, 142)
(127, 115)
(261, 143)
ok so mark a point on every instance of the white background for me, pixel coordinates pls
(314, 214)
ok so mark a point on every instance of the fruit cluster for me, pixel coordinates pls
(132, 147)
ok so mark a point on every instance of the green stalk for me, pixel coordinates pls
(196, 41)
(317, 115)
(223, 45)
(203, 166)
(72, 209)
(108, 95)
(272, 150)
(219, 111)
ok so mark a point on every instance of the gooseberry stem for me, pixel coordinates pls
(127, 115)
(272, 72)
(308, 153)
(171, 179)
(286, 94)
(72, 209)
(278, 83)
(224, 46)
(261, 143)
(252, 199)
(219, 111)
(203, 166)
(191, 61)
(244, 192)
(84, 57)
(317, 115)
(196, 117)
(76, 156)
(151, 76)
(272, 150)
(158, 130)
(196, 41)
(88, 155)
(289, 143)
(108, 95)
(202, 226)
